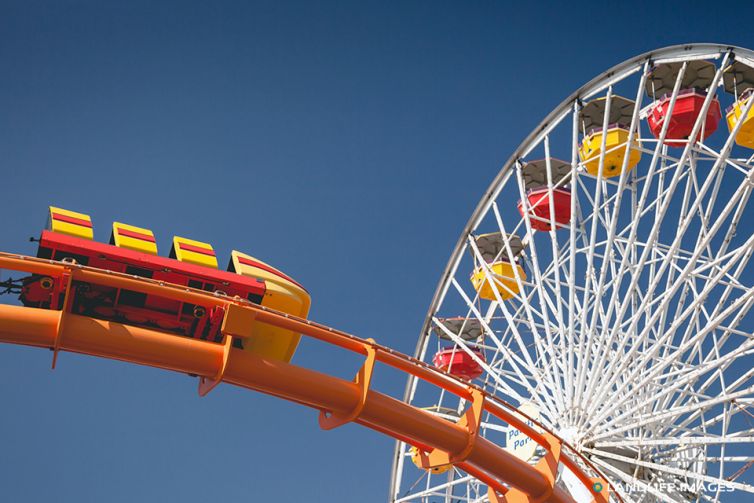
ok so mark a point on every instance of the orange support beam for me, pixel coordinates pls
(328, 419)
(85, 335)
(470, 420)
(67, 297)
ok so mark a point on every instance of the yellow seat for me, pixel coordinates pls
(133, 238)
(504, 280)
(193, 252)
(745, 136)
(417, 460)
(615, 152)
(71, 223)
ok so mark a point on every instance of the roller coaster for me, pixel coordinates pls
(101, 311)
(543, 328)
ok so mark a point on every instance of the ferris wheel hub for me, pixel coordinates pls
(573, 435)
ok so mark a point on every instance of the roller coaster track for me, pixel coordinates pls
(339, 401)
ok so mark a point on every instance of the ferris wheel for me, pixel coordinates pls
(603, 285)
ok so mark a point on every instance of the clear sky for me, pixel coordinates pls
(345, 142)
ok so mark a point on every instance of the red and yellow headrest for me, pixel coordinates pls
(70, 223)
(194, 252)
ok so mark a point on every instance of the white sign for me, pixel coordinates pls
(516, 442)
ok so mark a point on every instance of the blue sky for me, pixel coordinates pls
(346, 143)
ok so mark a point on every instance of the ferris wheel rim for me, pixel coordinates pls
(683, 52)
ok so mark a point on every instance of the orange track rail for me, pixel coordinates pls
(338, 400)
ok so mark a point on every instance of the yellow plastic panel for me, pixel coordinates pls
(416, 459)
(745, 136)
(133, 238)
(71, 223)
(193, 252)
(282, 294)
(615, 152)
(504, 281)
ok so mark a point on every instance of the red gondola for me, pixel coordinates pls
(540, 208)
(688, 105)
(459, 363)
(543, 210)
(687, 108)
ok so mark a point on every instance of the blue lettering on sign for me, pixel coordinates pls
(514, 433)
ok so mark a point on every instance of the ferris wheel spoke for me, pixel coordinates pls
(738, 215)
(651, 208)
(720, 418)
(555, 249)
(712, 379)
(575, 212)
(703, 214)
(672, 471)
(626, 260)
(512, 357)
(460, 344)
(663, 210)
(729, 288)
(689, 377)
(632, 482)
(741, 254)
(545, 302)
(744, 301)
(743, 379)
(706, 424)
(551, 376)
(676, 354)
(438, 490)
(612, 221)
(681, 440)
(670, 292)
(600, 209)
(742, 166)
(592, 239)
(667, 415)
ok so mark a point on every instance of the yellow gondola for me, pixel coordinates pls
(738, 80)
(503, 280)
(615, 136)
(503, 267)
(416, 454)
(745, 136)
(615, 152)
(417, 460)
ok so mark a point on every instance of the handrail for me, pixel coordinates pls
(338, 400)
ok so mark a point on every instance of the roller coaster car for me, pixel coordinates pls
(688, 104)
(132, 250)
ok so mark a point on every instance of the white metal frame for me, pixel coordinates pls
(632, 332)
